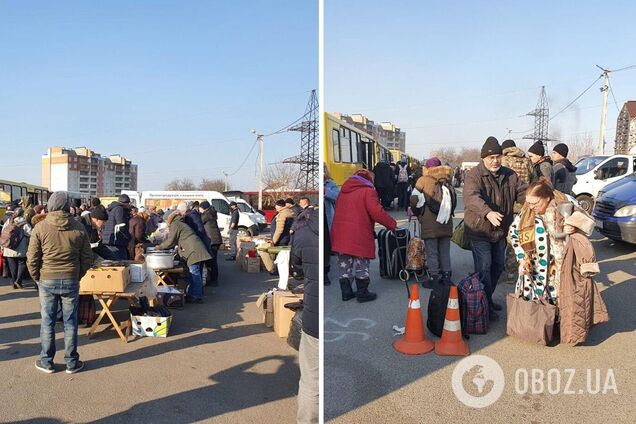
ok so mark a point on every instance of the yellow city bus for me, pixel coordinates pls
(347, 149)
(13, 191)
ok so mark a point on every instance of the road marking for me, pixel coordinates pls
(334, 336)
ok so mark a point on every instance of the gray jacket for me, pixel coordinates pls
(543, 169)
(564, 176)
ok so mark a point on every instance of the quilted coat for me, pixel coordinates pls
(428, 219)
(580, 303)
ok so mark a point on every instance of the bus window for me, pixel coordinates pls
(16, 192)
(345, 145)
(354, 147)
(335, 134)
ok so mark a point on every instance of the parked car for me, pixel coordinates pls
(595, 172)
(615, 210)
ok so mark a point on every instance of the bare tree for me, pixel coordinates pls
(282, 179)
(447, 155)
(181, 184)
(469, 154)
(582, 145)
(213, 185)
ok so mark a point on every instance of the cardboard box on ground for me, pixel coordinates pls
(282, 315)
(150, 326)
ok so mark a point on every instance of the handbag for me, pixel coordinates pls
(459, 236)
(532, 321)
(415, 252)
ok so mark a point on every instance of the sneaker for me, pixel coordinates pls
(78, 367)
(47, 368)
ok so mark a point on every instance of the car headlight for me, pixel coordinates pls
(628, 210)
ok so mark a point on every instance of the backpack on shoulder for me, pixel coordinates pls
(11, 236)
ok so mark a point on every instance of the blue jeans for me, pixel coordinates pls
(490, 260)
(51, 293)
(195, 289)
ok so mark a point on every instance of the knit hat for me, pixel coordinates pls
(58, 201)
(182, 207)
(561, 149)
(508, 143)
(491, 147)
(99, 212)
(433, 162)
(537, 148)
(124, 198)
(205, 205)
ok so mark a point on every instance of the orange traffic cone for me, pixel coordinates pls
(452, 342)
(414, 341)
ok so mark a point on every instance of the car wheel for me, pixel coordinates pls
(586, 202)
(243, 232)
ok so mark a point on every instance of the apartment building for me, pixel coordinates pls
(82, 170)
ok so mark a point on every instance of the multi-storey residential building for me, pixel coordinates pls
(84, 171)
(626, 129)
(385, 132)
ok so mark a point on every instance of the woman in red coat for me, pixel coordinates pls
(352, 234)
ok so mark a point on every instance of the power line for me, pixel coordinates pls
(244, 160)
(625, 68)
(576, 98)
(613, 97)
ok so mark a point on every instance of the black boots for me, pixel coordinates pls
(347, 291)
(363, 294)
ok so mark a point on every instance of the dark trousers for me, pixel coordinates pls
(212, 266)
(17, 269)
(489, 259)
(402, 195)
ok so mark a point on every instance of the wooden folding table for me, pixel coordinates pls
(107, 300)
(168, 277)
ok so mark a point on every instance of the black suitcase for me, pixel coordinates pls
(437, 305)
(392, 251)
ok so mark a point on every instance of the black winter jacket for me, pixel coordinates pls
(117, 215)
(193, 219)
(210, 222)
(306, 246)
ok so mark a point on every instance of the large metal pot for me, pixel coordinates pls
(160, 259)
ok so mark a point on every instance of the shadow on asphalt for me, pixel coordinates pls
(360, 383)
(233, 389)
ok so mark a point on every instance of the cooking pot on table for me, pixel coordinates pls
(160, 259)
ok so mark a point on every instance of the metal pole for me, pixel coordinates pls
(601, 137)
(225, 173)
(260, 171)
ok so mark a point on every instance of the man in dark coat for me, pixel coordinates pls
(116, 234)
(541, 164)
(490, 192)
(402, 176)
(383, 181)
(306, 246)
(233, 231)
(137, 228)
(564, 171)
(209, 218)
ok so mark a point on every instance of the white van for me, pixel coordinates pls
(168, 199)
(595, 172)
(245, 207)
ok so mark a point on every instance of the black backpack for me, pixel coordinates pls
(437, 305)
(11, 236)
(433, 202)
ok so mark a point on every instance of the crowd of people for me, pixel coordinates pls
(514, 202)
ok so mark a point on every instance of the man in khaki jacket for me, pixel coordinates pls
(59, 255)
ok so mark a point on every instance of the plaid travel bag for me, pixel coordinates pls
(473, 305)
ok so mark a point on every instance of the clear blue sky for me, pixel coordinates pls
(452, 73)
(176, 86)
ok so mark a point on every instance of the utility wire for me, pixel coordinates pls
(244, 160)
(614, 97)
(577, 97)
(624, 69)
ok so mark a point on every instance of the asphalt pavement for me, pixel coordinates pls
(367, 381)
(219, 363)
